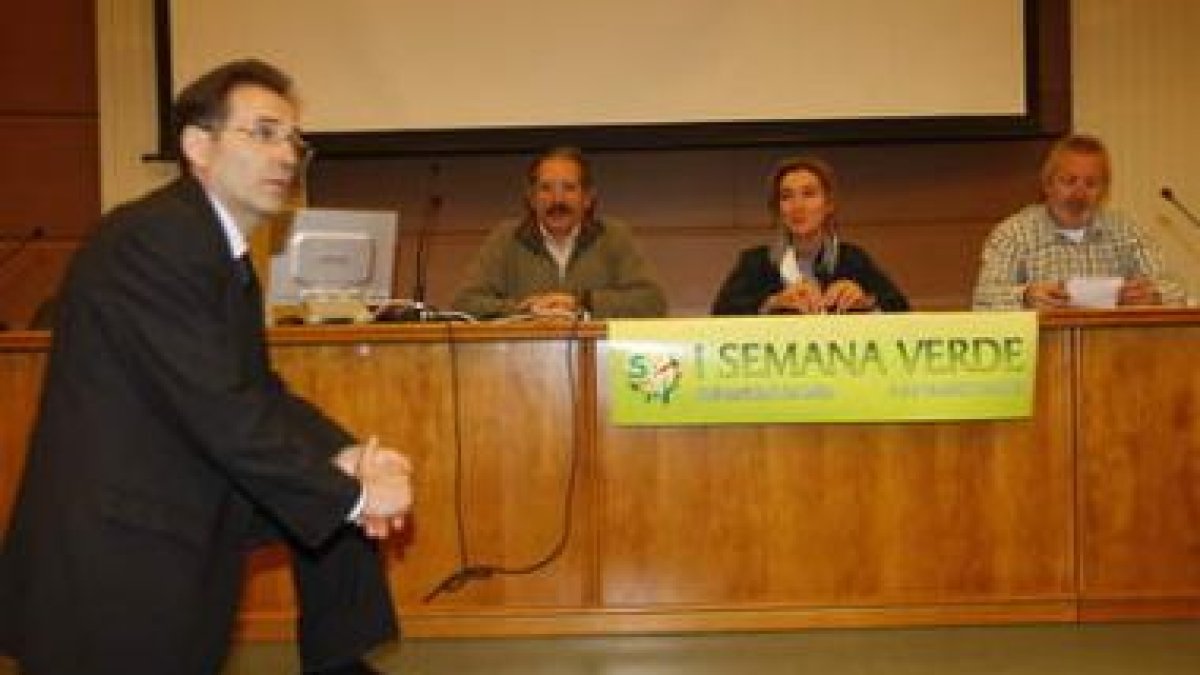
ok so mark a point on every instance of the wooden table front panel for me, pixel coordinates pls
(515, 408)
(711, 528)
(1139, 463)
(843, 515)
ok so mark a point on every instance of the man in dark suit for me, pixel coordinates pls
(165, 445)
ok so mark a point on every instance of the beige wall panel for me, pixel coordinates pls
(1136, 66)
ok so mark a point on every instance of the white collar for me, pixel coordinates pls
(237, 241)
(567, 241)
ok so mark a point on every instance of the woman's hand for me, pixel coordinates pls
(845, 295)
(801, 297)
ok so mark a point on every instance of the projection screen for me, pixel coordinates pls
(480, 69)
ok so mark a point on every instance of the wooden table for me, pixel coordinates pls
(1089, 510)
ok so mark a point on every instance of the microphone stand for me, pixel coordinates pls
(433, 211)
(417, 309)
(1169, 195)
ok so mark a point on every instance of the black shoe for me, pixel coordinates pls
(359, 667)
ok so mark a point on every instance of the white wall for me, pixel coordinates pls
(125, 45)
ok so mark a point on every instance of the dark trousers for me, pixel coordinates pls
(343, 598)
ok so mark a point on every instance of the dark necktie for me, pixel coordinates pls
(245, 269)
(248, 308)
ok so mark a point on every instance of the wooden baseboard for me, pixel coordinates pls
(1138, 609)
(515, 622)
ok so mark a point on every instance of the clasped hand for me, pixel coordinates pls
(553, 304)
(806, 297)
(385, 476)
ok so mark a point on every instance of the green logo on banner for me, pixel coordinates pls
(655, 376)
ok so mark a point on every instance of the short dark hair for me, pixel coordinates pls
(205, 102)
(566, 152)
(814, 165)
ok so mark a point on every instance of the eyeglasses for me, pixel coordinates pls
(273, 134)
(1070, 182)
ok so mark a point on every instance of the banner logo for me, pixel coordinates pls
(655, 376)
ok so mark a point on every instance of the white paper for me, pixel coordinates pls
(1094, 292)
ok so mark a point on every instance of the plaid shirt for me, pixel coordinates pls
(1027, 247)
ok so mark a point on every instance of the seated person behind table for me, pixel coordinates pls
(560, 259)
(1030, 256)
(809, 270)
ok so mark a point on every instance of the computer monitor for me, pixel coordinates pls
(334, 254)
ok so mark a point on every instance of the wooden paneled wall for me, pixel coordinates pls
(921, 209)
(49, 173)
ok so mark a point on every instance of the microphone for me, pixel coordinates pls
(1169, 195)
(11, 254)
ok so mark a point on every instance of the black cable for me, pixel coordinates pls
(572, 463)
(459, 577)
(467, 571)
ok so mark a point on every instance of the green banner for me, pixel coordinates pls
(855, 368)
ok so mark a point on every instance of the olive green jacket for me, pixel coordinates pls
(606, 271)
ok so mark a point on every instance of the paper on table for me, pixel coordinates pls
(1094, 292)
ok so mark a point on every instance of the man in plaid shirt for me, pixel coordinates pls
(1030, 256)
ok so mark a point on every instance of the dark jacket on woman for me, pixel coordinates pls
(756, 277)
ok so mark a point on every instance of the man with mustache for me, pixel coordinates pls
(1029, 258)
(560, 260)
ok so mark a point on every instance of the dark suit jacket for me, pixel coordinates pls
(756, 277)
(162, 439)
